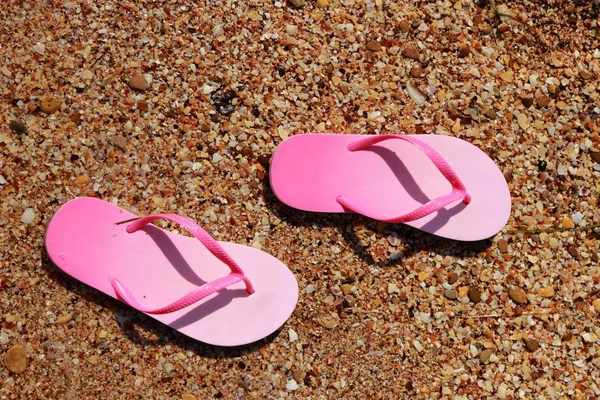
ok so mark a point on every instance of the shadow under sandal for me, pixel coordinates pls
(439, 184)
(196, 288)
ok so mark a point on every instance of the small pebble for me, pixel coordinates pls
(415, 93)
(523, 121)
(411, 52)
(572, 250)
(532, 345)
(474, 294)
(489, 112)
(64, 319)
(291, 385)
(503, 246)
(567, 223)
(484, 356)
(374, 45)
(503, 27)
(120, 142)
(328, 323)
(50, 104)
(527, 101)
(322, 3)
(188, 396)
(543, 101)
(138, 83)
(518, 295)
(452, 278)
(463, 52)
(546, 292)
(507, 76)
(39, 48)
(404, 26)
(450, 294)
(595, 156)
(291, 29)
(298, 3)
(293, 336)
(28, 216)
(15, 359)
(17, 127)
(417, 72)
(264, 160)
(596, 304)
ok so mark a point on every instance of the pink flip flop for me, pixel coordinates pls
(439, 184)
(192, 284)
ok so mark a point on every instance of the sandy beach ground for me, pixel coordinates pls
(176, 106)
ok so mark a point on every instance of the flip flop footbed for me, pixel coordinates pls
(392, 177)
(160, 266)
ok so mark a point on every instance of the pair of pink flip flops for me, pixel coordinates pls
(228, 294)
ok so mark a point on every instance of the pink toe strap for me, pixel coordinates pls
(459, 192)
(236, 275)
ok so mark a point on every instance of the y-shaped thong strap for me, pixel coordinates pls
(236, 275)
(459, 192)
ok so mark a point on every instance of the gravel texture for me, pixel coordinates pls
(176, 106)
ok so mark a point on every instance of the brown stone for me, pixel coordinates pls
(374, 45)
(573, 251)
(404, 26)
(543, 101)
(264, 160)
(518, 295)
(527, 101)
(142, 105)
(138, 83)
(474, 294)
(464, 52)
(502, 245)
(485, 355)
(76, 117)
(567, 336)
(452, 278)
(595, 156)
(503, 28)
(531, 345)
(15, 359)
(50, 104)
(298, 3)
(417, 72)
(411, 52)
(120, 142)
(17, 127)
(489, 112)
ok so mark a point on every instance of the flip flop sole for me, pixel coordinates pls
(310, 171)
(159, 266)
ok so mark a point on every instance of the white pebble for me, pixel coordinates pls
(39, 48)
(291, 29)
(292, 335)
(418, 346)
(217, 157)
(291, 385)
(28, 216)
(415, 93)
(309, 289)
(577, 217)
